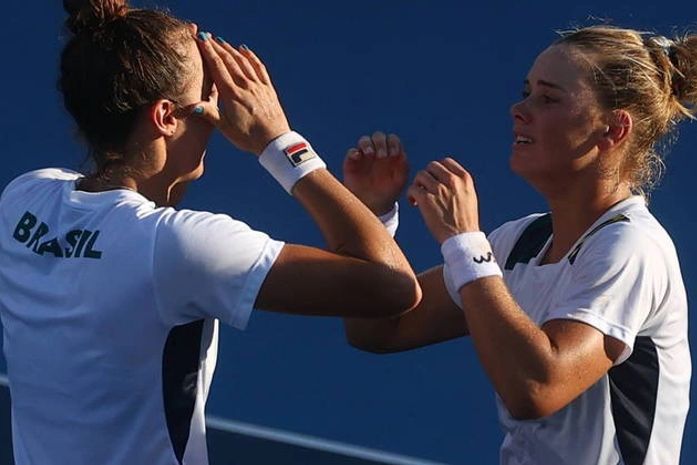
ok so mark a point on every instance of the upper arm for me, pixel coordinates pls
(435, 319)
(615, 284)
(310, 281)
(208, 265)
(617, 280)
(581, 355)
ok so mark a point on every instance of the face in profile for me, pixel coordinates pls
(558, 122)
(187, 148)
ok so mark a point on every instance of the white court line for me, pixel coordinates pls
(312, 442)
(302, 440)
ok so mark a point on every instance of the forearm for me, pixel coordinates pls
(517, 355)
(348, 227)
(378, 336)
(345, 223)
(435, 319)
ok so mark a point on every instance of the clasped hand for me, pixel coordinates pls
(376, 171)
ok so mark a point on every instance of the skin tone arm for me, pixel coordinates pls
(364, 274)
(536, 371)
(376, 172)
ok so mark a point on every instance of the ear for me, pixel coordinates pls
(619, 128)
(162, 116)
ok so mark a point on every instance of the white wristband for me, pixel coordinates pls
(288, 158)
(468, 256)
(391, 219)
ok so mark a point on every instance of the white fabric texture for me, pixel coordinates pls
(390, 220)
(289, 158)
(87, 317)
(468, 257)
(626, 283)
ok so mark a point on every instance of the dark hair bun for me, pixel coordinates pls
(88, 15)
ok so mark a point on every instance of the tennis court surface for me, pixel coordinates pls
(236, 443)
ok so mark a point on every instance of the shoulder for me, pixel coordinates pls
(181, 223)
(189, 230)
(632, 235)
(27, 180)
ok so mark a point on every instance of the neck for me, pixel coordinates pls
(152, 177)
(573, 214)
(163, 194)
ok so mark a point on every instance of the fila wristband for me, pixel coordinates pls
(288, 158)
(391, 219)
(468, 256)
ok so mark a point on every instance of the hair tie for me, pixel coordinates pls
(666, 45)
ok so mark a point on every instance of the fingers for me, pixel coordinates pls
(437, 177)
(448, 172)
(218, 67)
(242, 62)
(353, 154)
(454, 167)
(365, 145)
(416, 195)
(209, 111)
(213, 96)
(259, 67)
(381, 145)
(426, 181)
(394, 146)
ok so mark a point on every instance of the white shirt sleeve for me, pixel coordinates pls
(618, 279)
(209, 265)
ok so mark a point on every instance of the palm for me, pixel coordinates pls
(377, 182)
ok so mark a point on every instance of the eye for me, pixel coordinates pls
(525, 94)
(548, 99)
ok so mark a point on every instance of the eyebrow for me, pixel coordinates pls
(541, 82)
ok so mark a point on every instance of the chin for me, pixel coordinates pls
(516, 164)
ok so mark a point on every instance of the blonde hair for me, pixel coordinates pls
(651, 77)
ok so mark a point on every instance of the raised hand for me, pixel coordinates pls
(376, 171)
(444, 192)
(250, 115)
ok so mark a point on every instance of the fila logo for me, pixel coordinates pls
(489, 258)
(299, 153)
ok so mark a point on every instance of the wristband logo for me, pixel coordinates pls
(488, 259)
(299, 153)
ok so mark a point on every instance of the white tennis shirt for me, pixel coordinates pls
(109, 308)
(623, 278)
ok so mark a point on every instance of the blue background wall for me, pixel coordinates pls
(442, 75)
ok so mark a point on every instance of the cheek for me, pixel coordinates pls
(198, 133)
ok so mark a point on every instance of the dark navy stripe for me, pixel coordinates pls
(615, 219)
(530, 241)
(535, 235)
(633, 392)
(180, 365)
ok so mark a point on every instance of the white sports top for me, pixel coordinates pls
(623, 278)
(109, 309)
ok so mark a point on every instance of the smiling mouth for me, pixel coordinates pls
(520, 140)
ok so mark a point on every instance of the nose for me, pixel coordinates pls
(519, 112)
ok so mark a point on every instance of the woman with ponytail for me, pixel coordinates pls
(109, 296)
(579, 315)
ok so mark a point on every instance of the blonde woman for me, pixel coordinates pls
(579, 315)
